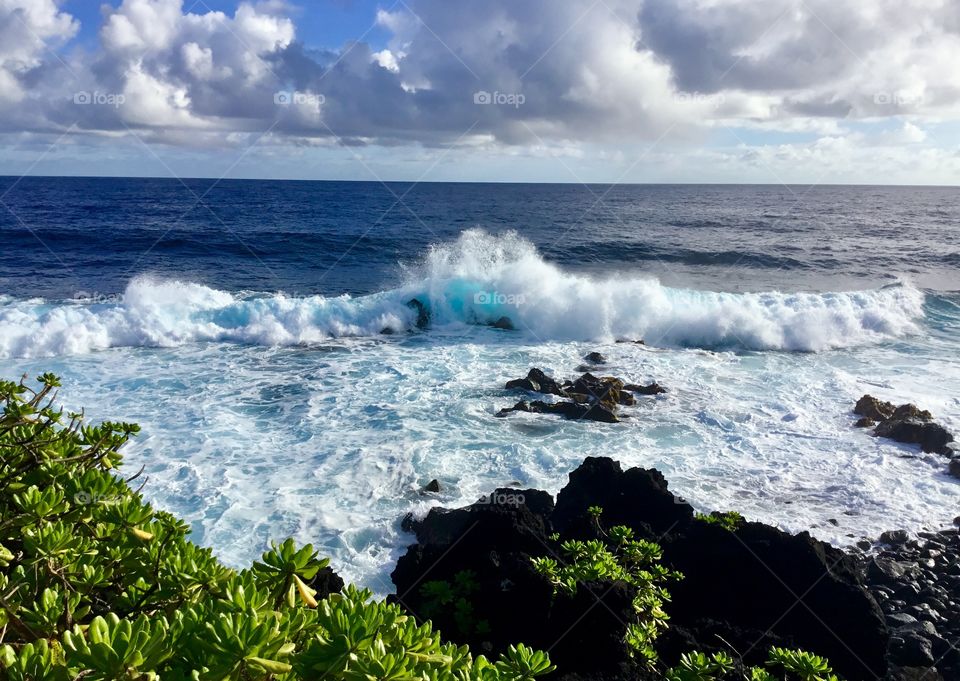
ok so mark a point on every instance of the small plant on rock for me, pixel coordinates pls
(618, 557)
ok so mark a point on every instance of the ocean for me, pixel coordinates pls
(241, 324)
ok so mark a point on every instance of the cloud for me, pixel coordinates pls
(29, 34)
(532, 74)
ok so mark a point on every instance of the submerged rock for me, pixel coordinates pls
(568, 410)
(652, 389)
(423, 314)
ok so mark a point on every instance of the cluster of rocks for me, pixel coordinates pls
(917, 583)
(744, 590)
(588, 397)
(909, 424)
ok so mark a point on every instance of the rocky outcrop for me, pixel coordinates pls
(917, 583)
(568, 410)
(754, 587)
(538, 382)
(591, 397)
(908, 424)
(872, 408)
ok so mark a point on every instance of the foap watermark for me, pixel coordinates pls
(514, 99)
(97, 98)
(497, 298)
(502, 498)
(897, 98)
(712, 100)
(288, 97)
(97, 298)
(86, 498)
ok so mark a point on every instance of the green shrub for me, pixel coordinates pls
(792, 664)
(618, 556)
(729, 520)
(95, 584)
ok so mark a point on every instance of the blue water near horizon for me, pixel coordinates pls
(243, 331)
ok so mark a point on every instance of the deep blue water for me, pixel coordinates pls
(63, 235)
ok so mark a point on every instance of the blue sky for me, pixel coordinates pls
(506, 90)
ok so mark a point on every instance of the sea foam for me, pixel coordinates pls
(477, 279)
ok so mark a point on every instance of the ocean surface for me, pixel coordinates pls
(241, 324)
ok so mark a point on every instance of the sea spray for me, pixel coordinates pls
(477, 279)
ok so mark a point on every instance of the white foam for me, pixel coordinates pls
(475, 280)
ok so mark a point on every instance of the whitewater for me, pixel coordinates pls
(476, 280)
(267, 414)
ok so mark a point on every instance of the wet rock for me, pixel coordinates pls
(932, 437)
(325, 582)
(911, 650)
(423, 314)
(568, 410)
(433, 487)
(537, 381)
(387, 331)
(607, 391)
(504, 323)
(911, 411)
(894, 537)
(595, 358)
(635, 342)
(871, 407)
(652, 389)
(865, 422)
(907, 423)
(954, 468)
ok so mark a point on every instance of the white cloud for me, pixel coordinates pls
(29, 31)
(578, 78)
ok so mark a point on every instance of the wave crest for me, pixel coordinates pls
(475, 280)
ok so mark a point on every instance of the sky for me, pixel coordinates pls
(737, 91)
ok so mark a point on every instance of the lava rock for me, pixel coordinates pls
(894, 537)
(537, 381)
(932, 437)
(911, 650)
(652, 389)
(325, 582)
(423, 314)
(568, 410)
(433, 487)
(872, 408)
(742, 585)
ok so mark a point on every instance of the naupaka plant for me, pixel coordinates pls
(96, 584)
(618, 556)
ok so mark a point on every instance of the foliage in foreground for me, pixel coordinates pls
(96, 584)
(618, 556)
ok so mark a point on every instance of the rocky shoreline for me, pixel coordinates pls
(890, 612)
